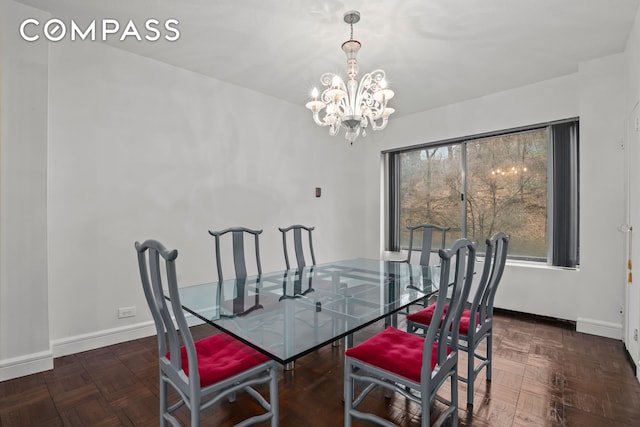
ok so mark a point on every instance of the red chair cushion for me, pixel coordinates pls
(220, 357)
(425, 316)
(395, 351)
(464, 322)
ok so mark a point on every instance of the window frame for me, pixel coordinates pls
(392, 184)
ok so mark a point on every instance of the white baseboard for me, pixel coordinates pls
(93, 340)
(600, 328)
(25, 365)
(43, 361)
(90, 341)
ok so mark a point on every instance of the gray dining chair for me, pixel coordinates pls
(202, 372)
(426, 233)
(298, 245)
(426, 247)
(473, 333)
(238, 250)
(413, 366)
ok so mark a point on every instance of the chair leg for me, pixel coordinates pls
(195, 412)
(348, 393)
(426, 412)
(489, 347)
(471, 374)
(163, 401)
(454, 397)
(273, 397)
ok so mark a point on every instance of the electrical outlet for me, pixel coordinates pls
(126, 312)
(635, 334)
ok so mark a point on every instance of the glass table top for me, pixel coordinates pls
(288, 314)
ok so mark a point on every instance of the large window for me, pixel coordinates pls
(522, 182)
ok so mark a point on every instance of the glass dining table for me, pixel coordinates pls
(288, 314)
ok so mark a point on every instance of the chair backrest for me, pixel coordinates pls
(298, 245)
(153, 258)
(461, 257)
(239, 262)
(494, 263)
(427, 240)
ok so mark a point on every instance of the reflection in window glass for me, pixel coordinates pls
(507, 190)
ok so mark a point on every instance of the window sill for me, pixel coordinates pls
(518, 263)
(536, 264)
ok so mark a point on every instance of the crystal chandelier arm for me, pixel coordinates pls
(376, 77)
(335, 88)
(335, 97)
(381, 125)
(326, 79)
(316, 106)
(316, 118)
(364, 98)
(376, 87)
(373, 106)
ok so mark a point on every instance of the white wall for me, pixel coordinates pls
(633, 115)
(632, 51)
(602, 183)
(24, 324)
(593, 294)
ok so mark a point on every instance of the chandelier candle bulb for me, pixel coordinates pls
(315, 105)
(352, 105)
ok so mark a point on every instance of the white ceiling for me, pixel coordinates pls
(435, 52)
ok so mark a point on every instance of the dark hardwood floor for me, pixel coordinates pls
(544, 375)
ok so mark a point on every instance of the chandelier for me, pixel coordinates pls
(352, 105)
